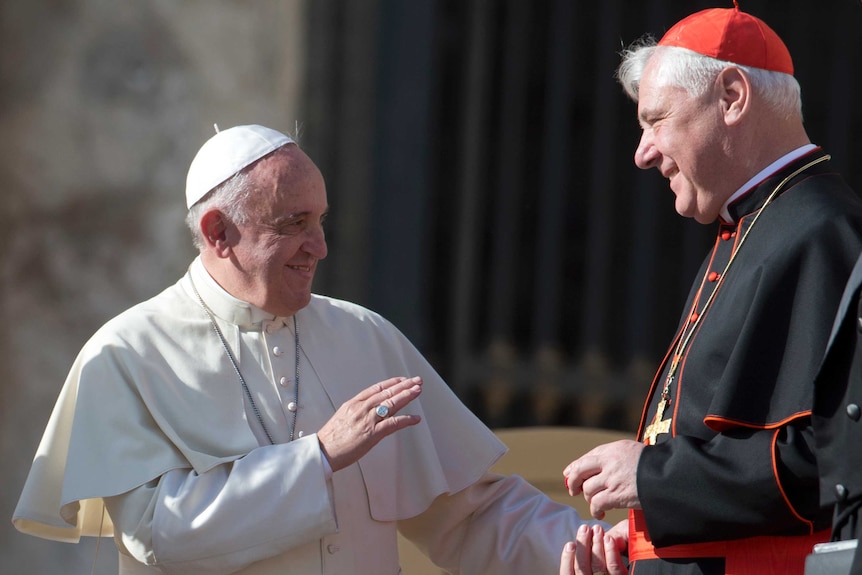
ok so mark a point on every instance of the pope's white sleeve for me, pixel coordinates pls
(500, 525)
(274, 498)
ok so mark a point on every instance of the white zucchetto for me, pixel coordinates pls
(226, 153)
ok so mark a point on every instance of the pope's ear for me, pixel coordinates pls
(734, 94)
(213, 227)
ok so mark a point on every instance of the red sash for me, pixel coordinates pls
(751, 556)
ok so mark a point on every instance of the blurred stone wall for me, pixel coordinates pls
(104, 104)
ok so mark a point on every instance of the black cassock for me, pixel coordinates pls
(739, 459)
(838, 419)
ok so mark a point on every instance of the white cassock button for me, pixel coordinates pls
(283, 381)
(300, 434)
(291, 406)
(276, 350)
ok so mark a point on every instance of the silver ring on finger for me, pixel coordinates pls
(381, 411)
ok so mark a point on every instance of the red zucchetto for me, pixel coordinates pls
(732, 35)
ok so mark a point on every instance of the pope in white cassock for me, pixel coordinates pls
(238, 423)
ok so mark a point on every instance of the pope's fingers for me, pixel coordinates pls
(392, 424)
(583, 550)
(620, 533)
(389, 401)
(613, 557)
(567, 559)
(389, 394)
(358, 425)
(597, 558)
(616, 541)
(379, 387)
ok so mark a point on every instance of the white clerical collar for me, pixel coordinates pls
(223, 304)
(762, 175)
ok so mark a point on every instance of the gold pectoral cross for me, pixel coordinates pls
(658, 425)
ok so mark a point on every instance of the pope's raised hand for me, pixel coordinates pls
(357, 426)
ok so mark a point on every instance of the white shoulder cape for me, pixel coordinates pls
(151, 391)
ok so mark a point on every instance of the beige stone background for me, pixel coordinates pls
(104, 103)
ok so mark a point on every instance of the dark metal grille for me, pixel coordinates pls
(478, 156)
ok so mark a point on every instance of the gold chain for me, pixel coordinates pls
(689, 329)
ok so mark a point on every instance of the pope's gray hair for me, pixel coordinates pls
(695, 73)
(230, 197)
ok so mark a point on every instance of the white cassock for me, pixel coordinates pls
(153, 423)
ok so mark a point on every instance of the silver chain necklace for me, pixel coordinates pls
(235, 365)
